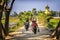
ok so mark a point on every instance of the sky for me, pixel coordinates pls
(26, 5)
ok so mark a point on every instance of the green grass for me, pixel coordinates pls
(18, 25)
(15, 20)
(12, 19)
(14, 28)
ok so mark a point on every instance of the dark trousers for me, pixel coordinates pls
(26, 27)
(35, 30)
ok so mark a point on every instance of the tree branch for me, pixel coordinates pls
(12, 5)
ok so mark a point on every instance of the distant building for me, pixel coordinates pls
(47, 11)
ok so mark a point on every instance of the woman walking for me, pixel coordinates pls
(27, 24)
(34, 26)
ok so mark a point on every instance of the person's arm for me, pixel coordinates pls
(36, 24)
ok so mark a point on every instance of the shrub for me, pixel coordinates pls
(53, 23)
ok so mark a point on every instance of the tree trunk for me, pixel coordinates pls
(7, 13)
(1, 37)
(1, 27)
(7, 24)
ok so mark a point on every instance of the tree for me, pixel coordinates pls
(1, 12)
(53, 13)
(59, 13)
(7, 13)
(42, 18)
(34, 11)
(4, 8)
(40, 11)
(15, 14)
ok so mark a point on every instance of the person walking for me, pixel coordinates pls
(34, 26)
(27, 24)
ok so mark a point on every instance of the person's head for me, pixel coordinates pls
(27, 20)
(34, 21)
(0, 1)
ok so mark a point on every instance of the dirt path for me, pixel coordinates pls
(22, 34)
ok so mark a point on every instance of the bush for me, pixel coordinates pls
(17, 24)
(53, 23)
(50, 25)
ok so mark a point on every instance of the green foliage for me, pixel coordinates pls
(24, 15)
(14, 28)
(17, 24)
(42, 17)
(34, 11)
(50, 25)
(55, 22)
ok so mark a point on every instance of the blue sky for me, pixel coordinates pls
(26, 5)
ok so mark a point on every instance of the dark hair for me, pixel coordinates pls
(27, 20)
(34, 21)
